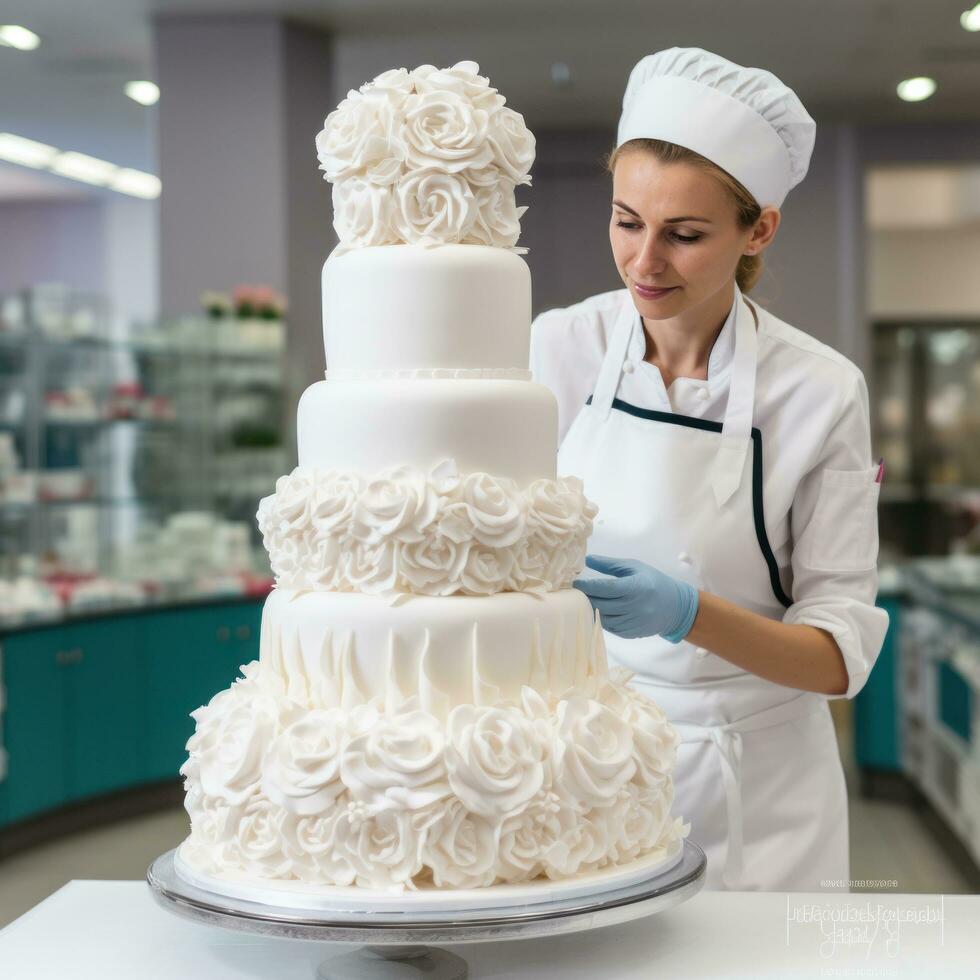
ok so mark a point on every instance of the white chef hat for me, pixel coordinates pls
(745, 120)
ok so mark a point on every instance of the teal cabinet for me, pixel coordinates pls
(192, 655)
(35, 721)
(955, 702)
(108, 697)
(102, 705)
(876, 708)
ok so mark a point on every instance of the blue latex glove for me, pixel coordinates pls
(640, 600)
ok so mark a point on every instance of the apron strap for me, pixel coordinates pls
(727, 740)
(612, 364)
(736, 433)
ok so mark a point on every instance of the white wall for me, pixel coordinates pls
(48, 241)
(105, 245)
(926, 272)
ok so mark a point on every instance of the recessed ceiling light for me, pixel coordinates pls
(145, 93)
(28, 153)
(561, 74)
(970, 19)
(916, 89)
(15, 36)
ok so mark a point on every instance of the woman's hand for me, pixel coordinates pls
(640, 600)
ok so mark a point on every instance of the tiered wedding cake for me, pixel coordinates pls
(431, 706)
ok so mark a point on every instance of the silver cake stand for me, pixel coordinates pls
(397, 945)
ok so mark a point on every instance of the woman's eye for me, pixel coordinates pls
(683, 239)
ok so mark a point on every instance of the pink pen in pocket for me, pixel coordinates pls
(881, 470)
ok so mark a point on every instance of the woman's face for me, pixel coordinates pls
(674, 226)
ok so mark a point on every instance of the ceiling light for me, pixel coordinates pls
(916, 89)
(15, 36)
(970, 19)
(561, 74)
(80, 166)
(28, 153)
(137, 183)
(145, 93)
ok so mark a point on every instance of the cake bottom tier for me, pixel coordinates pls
(394, 797)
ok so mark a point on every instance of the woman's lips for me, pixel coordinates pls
(647, 293)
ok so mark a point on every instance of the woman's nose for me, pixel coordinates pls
(649, 261)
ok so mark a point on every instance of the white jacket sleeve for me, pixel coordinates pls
(834, 523)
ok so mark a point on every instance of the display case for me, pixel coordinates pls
(926, 419)
(940, 690)
(132, 457)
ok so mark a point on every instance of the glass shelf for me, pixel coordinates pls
(152, 423)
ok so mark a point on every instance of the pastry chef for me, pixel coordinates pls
(734, 555)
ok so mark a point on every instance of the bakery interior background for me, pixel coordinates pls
(162, 227)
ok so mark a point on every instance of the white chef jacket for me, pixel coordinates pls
(811, 405)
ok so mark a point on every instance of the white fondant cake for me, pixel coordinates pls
(506, 428)
(397, 306)
(431, 706)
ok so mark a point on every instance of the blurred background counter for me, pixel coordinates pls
(131, 569)
(96, 709)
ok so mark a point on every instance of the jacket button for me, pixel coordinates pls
(700, 651)
(627, 367)
(684, 558)
(703, 394)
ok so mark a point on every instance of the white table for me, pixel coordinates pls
(113, 930)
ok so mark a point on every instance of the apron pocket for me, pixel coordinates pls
(843, 534)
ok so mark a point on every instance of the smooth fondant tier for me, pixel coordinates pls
(411, 306)
(433, 533)
(401, 798)
(331, 649)
(508, 428)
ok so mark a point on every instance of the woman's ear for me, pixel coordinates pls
(764, 231)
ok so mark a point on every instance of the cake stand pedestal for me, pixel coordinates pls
(397, 944)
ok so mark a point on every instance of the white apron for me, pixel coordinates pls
(758, 774)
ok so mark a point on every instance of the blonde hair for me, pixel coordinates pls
(747, 210)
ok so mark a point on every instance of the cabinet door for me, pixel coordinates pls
(35, 722)
(248, 623)
(192, 654)
(108, 706)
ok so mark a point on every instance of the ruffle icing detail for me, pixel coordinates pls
(327, 668)
(438, 533)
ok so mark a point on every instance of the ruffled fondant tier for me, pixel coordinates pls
(342, 650)
(401, 798)
(425, 533)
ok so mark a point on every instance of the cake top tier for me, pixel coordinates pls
(430, 157)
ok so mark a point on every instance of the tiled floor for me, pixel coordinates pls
(888, 841)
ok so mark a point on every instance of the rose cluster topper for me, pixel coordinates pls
(430, 157)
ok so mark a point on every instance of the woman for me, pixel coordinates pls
(729, 454)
